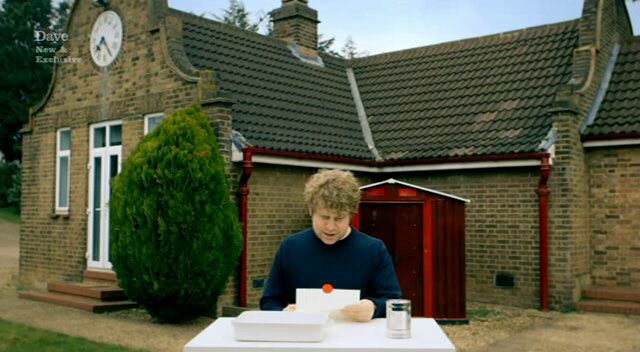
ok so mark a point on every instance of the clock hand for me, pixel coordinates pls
(103, 41)
(108, 51)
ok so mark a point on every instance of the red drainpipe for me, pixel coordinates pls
(243, 191)
(543, 193)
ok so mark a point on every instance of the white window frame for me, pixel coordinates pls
(146, 120)
(105, 153)
(59, 154)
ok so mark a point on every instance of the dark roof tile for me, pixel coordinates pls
(282, 103)
(481, 96)
(619, 112)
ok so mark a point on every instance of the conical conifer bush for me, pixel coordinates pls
(175, 234)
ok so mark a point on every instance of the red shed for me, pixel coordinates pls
(424, 231)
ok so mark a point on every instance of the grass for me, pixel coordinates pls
(23, 338)
(10, 214)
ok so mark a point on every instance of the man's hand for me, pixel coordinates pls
(289, 308)
(361, 311)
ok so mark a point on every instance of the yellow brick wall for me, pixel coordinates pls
(140, 82)
(614, 181)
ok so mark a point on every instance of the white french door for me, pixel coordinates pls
(105, 161)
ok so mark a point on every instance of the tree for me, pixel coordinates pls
(324, 46)
(237, 16)
(175, 234)
(24, 81)
(350, 51)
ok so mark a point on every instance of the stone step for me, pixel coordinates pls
(609, 306)
(631, 294)
(84, 303)
(104, 291)
(96, 275)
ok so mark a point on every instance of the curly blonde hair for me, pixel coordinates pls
(333, 189)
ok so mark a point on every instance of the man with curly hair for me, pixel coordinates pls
(332, 252)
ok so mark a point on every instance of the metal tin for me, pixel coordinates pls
(399, 318)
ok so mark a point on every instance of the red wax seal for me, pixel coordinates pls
(326, 288)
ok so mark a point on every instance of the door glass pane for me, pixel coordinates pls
(115, 135)
(97, 187)
(99, 137)
(63, 182)
(113, 171)
(65, 140)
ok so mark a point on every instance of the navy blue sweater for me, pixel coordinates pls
(357, 262)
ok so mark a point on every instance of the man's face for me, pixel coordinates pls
(330, 225)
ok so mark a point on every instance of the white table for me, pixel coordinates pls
(426, 335)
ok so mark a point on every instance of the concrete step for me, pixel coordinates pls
(609, 306)
(84, 303)
(96, 275)
(631, 294)
(104, 291)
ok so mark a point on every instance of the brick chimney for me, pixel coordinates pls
(296, 21)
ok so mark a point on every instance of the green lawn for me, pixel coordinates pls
(23, 338)
(10, 214)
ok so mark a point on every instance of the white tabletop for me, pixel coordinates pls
(426, 335)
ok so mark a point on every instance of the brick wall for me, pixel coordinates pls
(276, 209)
(296, 21)
(614, 181)
(569, 222)
(501, 229)
(569, 232)
(142, 81)
(300, 30)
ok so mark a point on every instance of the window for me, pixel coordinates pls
(63, 162)
(152, 121)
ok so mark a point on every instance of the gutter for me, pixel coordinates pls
(611, 140)
(243, 192)
(274, 157)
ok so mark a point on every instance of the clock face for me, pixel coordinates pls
(106, 38)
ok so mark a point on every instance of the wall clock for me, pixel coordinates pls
(106, 38)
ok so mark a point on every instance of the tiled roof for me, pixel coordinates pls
(481, 96)
(619, 112)
(282, 103)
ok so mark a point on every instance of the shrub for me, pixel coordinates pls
(175, 235)
(15, 192)
(10, 177)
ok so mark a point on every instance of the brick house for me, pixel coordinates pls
(539, 128)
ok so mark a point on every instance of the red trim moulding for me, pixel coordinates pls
(427, 259)
(259, 151)
(355, 220)
(610, 136)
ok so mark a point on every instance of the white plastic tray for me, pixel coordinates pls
(280, 326)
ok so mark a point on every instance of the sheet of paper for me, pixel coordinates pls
(316, 300)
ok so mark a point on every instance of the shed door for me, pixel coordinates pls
(400, 227)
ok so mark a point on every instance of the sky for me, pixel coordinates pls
(379, 26)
